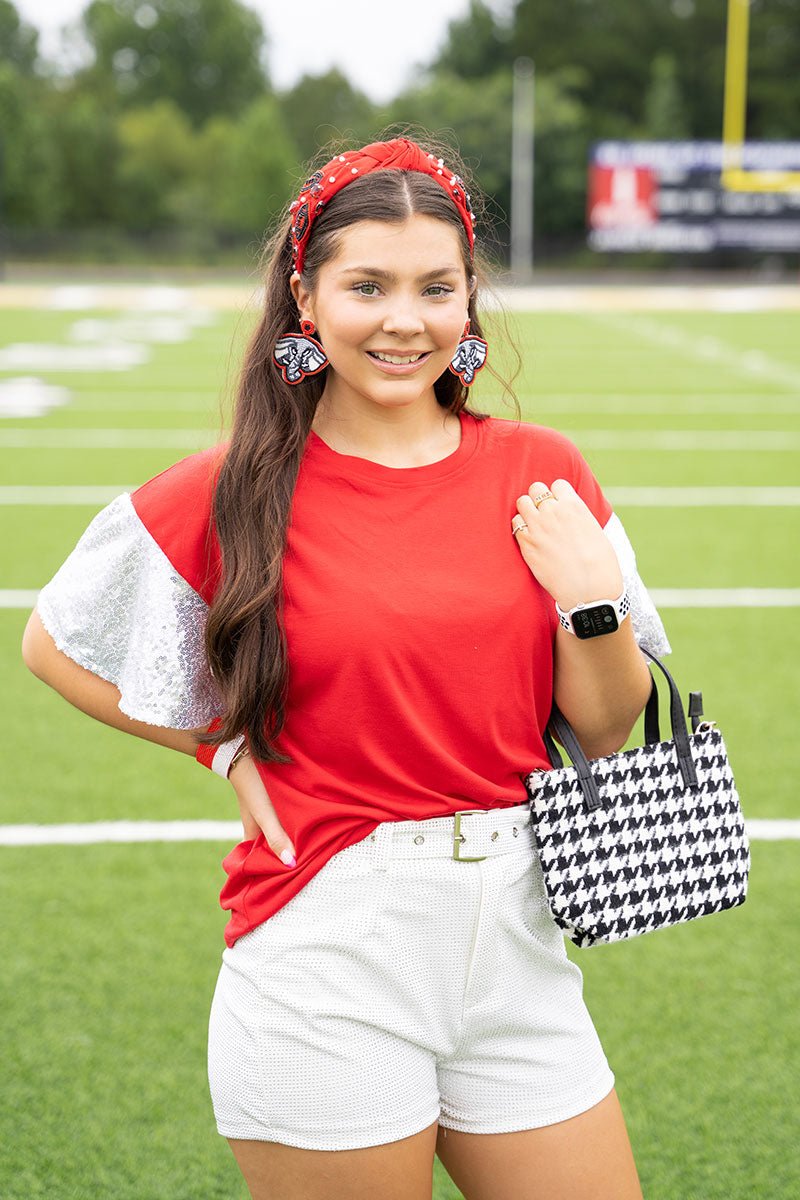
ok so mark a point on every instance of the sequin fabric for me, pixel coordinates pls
(118, 607)
(648, 627)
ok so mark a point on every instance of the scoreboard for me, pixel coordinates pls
(669, 196)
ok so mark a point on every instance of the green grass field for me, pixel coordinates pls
(110, 952)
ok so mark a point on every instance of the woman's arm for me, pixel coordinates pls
(100, 699)
(602, 684)
(95, 696)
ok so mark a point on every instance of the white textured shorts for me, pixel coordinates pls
(401, 987)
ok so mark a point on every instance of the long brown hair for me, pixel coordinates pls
(245, 638)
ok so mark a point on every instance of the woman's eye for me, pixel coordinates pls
(439, 289)
(366, 289)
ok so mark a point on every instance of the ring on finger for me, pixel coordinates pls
(537, 500)
(519, 527)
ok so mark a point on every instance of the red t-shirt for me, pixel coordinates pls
(420, 644)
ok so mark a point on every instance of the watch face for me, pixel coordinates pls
(594, 621)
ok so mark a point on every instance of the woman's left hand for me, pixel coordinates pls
(564, 546)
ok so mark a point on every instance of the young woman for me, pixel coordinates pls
(372, 592)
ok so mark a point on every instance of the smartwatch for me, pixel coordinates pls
(596, 618)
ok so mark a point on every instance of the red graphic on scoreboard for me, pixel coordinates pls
(621, 196)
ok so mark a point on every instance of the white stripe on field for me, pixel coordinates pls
(106, 439)
(632, 497)
(749, 440)
(106, 832)
(68, 494)
(704, 347)
(725, 597)
(661, 597)
(594, 439)
(704, 497)
(18, 598)
(100, 832)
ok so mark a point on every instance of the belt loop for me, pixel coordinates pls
(381, 842)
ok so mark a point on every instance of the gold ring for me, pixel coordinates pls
(517, 528)
(537, 500)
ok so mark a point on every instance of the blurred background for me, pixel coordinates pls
(641, 164)
(120, 119)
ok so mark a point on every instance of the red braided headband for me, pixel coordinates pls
(397, 155)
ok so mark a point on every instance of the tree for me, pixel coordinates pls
(321, 107)
(664, 114)
(87, 151)
(475, 44)
(247, 169)
(616, 42)
(29, 192)
(18, 41)
(157, 157)
(203, 55)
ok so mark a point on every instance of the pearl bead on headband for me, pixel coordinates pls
(397, 155)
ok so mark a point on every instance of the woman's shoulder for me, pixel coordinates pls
(527, 439)
(189, 481)
(176, 509)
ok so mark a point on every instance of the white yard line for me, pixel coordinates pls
(108, 439)
(703, 347)
(677, 440)
(18, 598)
(631, 497)
(57, 495)
(655, 404)
(99, 833)
(725, 597)
(702, 497)
(687, 440)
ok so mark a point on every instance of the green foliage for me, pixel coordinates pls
(320, 108)
(247, 168)
(28, 193)
(616, 43)
(86, 153)
(476, 44)
(157, 156)
(18, 40)
(664, 115)
(204, 55)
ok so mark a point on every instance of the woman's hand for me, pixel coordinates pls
(565, 547)
(256, 810)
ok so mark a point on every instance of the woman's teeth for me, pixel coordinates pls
(396, 358)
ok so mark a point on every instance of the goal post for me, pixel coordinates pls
(735, 177)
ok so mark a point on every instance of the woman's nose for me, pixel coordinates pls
(403, 319)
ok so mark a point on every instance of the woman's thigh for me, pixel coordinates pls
(401, 1170)
(587, 1157)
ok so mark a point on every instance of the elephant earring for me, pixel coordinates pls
(299, 355)
(470, 356)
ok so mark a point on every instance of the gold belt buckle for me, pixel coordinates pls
(458, 836)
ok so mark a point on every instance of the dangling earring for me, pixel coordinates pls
(299, 354)
(470, 356)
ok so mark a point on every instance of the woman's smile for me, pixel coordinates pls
(395, 362)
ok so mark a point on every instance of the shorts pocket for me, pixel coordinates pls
(340, 905)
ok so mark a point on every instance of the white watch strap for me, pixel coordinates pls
(621, 606)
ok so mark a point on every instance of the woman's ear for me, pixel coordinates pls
(302, 296)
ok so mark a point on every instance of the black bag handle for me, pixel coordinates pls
(559, 727)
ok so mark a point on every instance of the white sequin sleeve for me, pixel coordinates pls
(118, 607)
(647, 624)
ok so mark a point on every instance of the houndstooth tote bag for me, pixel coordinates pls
(644, 838)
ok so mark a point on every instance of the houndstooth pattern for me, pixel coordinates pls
(653, 854)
